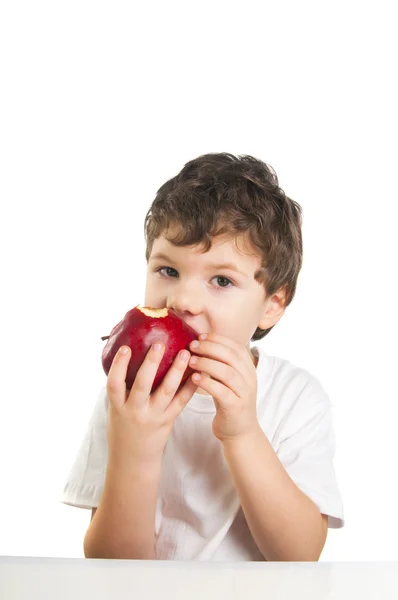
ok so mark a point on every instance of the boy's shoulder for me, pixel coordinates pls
(288, 395)
(275, 370)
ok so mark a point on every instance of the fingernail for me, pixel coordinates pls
(124, 349)
(157, 347)
(203, 336)
(184, 355)
(195, 344)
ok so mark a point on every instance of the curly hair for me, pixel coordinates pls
(219, 193)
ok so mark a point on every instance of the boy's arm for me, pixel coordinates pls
(124, 523)
(285, 524)
(139, 425)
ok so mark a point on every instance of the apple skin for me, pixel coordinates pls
(139, 331)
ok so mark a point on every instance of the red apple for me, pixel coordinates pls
(139, 329)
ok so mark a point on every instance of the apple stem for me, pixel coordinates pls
(106, 337)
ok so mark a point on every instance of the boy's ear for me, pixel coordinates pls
(275, 307)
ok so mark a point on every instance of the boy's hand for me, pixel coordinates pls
(139, 424)
(233, 385)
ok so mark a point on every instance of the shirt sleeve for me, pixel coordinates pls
(307, 448)
(85, 482)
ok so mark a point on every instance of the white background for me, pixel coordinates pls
(101, 102)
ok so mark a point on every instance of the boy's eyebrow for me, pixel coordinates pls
(230, 266)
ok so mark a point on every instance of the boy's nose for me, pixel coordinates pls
(185, 306)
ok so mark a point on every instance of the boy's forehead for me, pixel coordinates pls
(235, 248)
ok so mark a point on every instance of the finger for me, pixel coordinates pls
(144, 379)
(227, 375)
(169, 386)
(116, 381)
(181, 399)
(234, 355)
(220, 339)
(223, 396)
(239, 350)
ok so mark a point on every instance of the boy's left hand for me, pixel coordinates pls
(233, 385)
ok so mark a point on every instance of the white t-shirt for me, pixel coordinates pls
(198, 514)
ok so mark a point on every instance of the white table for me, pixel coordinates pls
(79, 578)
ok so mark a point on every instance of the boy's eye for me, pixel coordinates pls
(223, 282)
(167, 269)
(224, 279)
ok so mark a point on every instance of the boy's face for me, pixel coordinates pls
(208, 297)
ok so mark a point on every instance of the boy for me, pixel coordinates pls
(238, 463)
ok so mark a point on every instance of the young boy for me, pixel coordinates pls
(237, 464)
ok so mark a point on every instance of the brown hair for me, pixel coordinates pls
(219, 193)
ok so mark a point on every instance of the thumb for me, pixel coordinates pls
(181, 398)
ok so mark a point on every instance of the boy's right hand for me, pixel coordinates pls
(139, 424)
